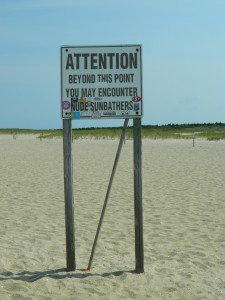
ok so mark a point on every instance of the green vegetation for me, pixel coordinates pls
(207, 131)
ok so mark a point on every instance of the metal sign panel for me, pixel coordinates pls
(101, 82)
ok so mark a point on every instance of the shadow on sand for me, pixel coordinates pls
(54, 274)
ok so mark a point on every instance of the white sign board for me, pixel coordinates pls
(101, 82)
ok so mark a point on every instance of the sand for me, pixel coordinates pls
(184, 220)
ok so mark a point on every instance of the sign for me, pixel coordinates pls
(100, 82)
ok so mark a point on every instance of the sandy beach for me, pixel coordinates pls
(184, 220)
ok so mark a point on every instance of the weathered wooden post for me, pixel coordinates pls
(14, 135)
(139, 243)
(41, 136)
(122, 138)
(68, 191)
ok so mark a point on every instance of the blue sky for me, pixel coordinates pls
(183, 56)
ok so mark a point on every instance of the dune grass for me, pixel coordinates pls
(209, 131)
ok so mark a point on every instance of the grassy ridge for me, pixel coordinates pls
(208, 131)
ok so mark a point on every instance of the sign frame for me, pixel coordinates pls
(118, 64)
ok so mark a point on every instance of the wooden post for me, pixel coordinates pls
(139, 244)
(68, 192)
(14, 135)
(122, 138)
